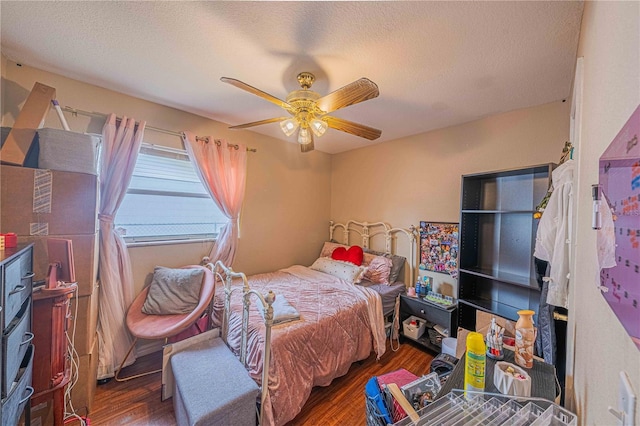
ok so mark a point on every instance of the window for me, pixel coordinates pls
(166, 200)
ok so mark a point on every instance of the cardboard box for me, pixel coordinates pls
(42, 413)
(47, 202)
(84, 391)
(85, 319)
(85, 259)
(483, 323)
(4, 132)
(31, 117)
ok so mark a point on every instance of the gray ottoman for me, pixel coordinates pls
(212, 387)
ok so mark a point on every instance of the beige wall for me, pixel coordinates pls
(610, 46)
(3, 66)
(286, 211)
(418, 178)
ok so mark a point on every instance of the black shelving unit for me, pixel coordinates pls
(497, 237)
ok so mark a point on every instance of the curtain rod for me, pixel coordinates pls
(206, 139)
(76, 112)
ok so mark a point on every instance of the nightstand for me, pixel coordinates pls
(434, 315)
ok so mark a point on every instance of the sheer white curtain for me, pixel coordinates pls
(120, 146)
(222, 169)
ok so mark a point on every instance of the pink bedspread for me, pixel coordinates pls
(340, 323)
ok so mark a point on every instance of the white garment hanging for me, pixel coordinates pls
(554, 233)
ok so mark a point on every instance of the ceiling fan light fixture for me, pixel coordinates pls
(289, 126)
(304, 137)
(318, 127)
(309, 110)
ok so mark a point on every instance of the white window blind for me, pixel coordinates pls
(166, 200)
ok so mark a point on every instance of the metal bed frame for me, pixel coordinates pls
(226, 276)
(368, 230)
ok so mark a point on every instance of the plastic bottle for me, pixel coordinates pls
(418, 288)
(525, 337)
(475, 363)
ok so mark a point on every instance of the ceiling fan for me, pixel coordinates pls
(309, 110)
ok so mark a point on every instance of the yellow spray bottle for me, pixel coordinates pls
(475, 363)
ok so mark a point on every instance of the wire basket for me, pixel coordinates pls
(461, 408)
(374, 417)
(419, 393)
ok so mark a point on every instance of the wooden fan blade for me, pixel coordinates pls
(307, 147)
(258, 123)
(358, 91)
(353, 128)
(244, 86)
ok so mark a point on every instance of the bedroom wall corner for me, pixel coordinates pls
(287, 206)
(407, 180)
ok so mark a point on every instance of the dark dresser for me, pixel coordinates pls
(16, 358)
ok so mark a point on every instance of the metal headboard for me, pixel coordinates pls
(226, 275)
(368, 230)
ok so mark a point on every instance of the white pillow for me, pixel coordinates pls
(328, 247)
(339, 269)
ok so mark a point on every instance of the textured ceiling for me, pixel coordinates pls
(437, 64)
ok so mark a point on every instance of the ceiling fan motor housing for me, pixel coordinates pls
(304, 106)
(306, 79)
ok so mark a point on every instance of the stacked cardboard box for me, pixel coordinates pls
(84, 390)
(41, 413)
(82, 395)
(38, 204)
(17, 146)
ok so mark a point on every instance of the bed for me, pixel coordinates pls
(380, 238)
(339, 322)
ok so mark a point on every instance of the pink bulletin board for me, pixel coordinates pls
(620, 184)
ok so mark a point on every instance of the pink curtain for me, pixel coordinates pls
(222, 170)
(120, 146)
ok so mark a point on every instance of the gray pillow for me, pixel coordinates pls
(173, 291)
(397, 264)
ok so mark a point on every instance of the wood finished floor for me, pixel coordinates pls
(137, 402)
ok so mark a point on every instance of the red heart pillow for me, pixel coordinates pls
(353, 255)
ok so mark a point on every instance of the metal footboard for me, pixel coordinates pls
(226, 275)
